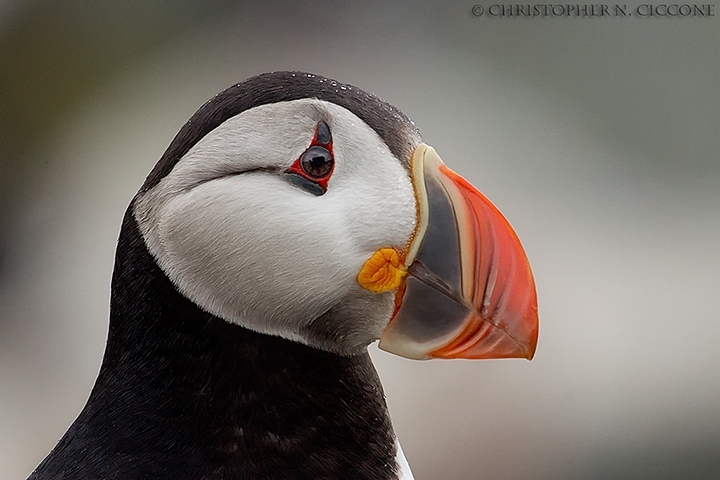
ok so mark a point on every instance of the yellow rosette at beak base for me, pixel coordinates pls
(382, 272)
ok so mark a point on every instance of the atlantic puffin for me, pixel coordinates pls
(291, 222)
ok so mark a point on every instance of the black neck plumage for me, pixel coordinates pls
(182, 394)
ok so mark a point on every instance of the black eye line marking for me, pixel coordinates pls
(232, 174)
(304, 183)
(322, 135)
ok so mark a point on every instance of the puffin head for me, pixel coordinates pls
(297, 206)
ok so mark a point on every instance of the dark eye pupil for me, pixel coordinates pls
(317, 162)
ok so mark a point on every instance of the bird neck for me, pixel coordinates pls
(182, 384)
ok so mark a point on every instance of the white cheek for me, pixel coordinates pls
(379, 217)
(256, 251)
(247, 246)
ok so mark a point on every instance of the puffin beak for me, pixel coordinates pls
(468, 291)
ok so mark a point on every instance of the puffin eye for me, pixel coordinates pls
(317, 162)
(313, 169)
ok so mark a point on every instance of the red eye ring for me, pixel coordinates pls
(315, 166)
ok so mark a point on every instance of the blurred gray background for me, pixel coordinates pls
(599, 138)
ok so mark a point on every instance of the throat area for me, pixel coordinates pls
(235, 404)
(231, 400)
(238, 395)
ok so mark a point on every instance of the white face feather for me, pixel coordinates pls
(243, 243)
